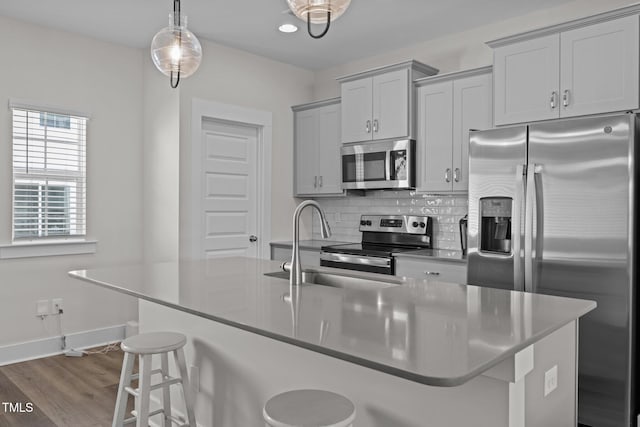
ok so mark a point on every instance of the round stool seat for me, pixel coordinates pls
(154, 343)
(309, 408)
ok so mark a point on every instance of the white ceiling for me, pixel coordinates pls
(367, 28)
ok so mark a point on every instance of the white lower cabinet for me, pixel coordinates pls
(427, 268)
(307, 257)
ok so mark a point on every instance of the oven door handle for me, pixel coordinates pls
(355, 259)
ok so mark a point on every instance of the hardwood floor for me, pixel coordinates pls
(64, 391)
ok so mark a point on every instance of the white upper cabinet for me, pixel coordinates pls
(357, 110)
(329, 162)
(583, 67)
(317, 149)
(448, 107)
(435, 137)
(472, 109)
(599, 67)
(306, 178)
(391, 105)
(378, 104)
(526, 80)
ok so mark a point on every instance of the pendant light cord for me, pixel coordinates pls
(176, 23)
(326, 29)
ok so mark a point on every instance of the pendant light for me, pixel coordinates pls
(176, 51)
(318, 12)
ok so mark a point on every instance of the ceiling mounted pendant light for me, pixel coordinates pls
(176, 51)
(318, 12)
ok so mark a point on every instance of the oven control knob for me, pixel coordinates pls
(422, 225)
(363, 222)
(415, 224)
(368, 222)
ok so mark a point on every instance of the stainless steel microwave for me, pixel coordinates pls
(377, 165)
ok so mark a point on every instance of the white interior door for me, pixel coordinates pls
(229, 183)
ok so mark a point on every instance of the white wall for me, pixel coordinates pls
(235, 77)
(104, 80)
(161, 173)
(465, 50)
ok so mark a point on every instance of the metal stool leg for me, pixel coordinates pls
(166, 393)
(186, 386)
(125, 381)
(144, 387)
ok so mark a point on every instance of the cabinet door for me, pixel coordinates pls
(391, 105)
(357, 110)
(526, 79)
(306, 149)
(599, 68)
(428, 268)
(435, 129)
(329, 165)
(472, 109)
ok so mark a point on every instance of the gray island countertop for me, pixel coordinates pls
(435, 333)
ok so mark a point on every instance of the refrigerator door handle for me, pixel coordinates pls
(528, 230)
(516, 230)
(532, 229)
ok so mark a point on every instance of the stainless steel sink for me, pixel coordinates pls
(340, 281)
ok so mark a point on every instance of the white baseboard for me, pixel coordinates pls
(52, 346)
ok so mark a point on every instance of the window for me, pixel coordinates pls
(49, 175)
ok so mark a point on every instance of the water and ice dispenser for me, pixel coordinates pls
(495, 225)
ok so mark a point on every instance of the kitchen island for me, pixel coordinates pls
(407, 352)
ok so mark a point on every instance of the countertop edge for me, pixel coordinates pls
(411, 376)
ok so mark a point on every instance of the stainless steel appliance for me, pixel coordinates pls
(552, 210)
(382, 236)
(382, 164)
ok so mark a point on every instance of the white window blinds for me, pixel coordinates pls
(49, 174)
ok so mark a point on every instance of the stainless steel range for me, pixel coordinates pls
(382, 236)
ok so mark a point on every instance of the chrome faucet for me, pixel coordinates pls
(295, 277)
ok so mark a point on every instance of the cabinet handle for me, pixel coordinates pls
(315, 181)
(565, 98)
(432, 273)
(447, 175)
(253, 238)
(368, 126)
(456, 174)
(320, 181)
(375, 125)
(553, 100)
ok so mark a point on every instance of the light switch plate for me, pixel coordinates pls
(550, 380)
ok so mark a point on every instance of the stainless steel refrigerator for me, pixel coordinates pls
(552, 210)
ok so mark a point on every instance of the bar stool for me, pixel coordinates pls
(145, 346)
(309, 408)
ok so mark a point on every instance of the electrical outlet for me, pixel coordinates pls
(194, 377)
(57, 304)
(550, 380)
(42, 307)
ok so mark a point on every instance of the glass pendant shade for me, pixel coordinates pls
(317, 10)
(176, 50)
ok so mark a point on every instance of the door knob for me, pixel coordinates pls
(253, 238)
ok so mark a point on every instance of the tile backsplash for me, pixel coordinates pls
(344, 213)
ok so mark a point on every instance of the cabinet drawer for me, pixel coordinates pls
(307, 257)
(424, 269)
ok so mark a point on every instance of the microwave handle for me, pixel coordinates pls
(389, 167)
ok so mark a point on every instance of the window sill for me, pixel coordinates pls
(49, 248)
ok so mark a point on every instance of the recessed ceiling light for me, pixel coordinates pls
(288, 28)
